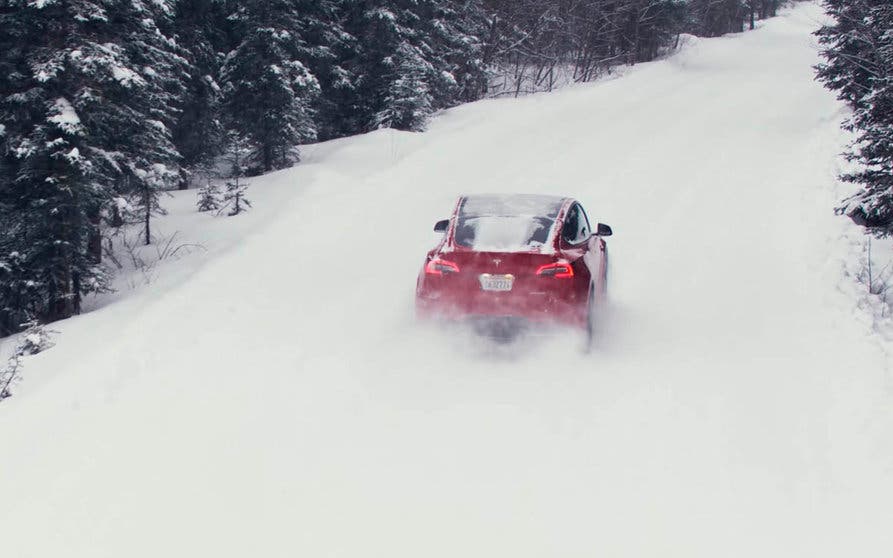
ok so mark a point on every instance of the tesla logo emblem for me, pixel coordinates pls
(497, 262)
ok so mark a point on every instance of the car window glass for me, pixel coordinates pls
(500, 233)
(571, 225)
(585, 227)
(576, 226)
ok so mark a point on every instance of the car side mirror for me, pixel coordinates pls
(441, 226)
(604, 230)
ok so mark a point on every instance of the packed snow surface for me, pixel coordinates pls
(271, 395)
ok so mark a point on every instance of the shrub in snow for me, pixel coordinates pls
(234, 196)
(36, 339)
(209, 196)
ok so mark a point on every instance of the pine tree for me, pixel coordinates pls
(234, 197)
(150, 185)
(407, 103)
(858, 49)
(269, 91)
(237, 157)
(209, 196)
(413, 57)
(327, 49)
(87, 90)
(53, 199)
(200, 28)
(458, 30)
(18, 294)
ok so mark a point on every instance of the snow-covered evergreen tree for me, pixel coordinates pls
(18, 293)
(413, 57)
(269, 90)
(458, 29)
(200, 29)
(329, 50)
(209, 195)
(87, 91)
(407, 102)
(858, 49)
(238, 155)
(234, 197)
(51, 199)
(150, 184)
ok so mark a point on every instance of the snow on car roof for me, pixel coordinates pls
(494, 205)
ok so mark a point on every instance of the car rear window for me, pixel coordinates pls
(506, 223)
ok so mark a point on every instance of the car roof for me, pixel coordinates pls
(480, 205)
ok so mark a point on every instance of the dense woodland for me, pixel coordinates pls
(107, 104)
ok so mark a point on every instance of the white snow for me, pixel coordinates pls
(65, 116)
(272, 396)
(381, 13)
(125, 76)
(73, 155)
(40, 4)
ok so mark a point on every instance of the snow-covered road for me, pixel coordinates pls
(280, 400)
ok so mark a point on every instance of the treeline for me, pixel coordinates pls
(858, 52)
(536, 44)
(106, 104)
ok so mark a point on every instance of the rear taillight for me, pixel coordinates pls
(441, 267)
(558, 270)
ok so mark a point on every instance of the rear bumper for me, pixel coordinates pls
(537, 308)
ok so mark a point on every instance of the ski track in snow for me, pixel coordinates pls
(277, 399)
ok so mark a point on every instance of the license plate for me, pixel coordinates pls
(496, 282)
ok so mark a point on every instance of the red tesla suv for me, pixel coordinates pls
(530, 257)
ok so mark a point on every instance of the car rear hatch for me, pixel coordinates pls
(500, 258)
(506, 283)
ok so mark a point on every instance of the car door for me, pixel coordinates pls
(596, 254)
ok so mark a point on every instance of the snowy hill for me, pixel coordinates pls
(272, 396)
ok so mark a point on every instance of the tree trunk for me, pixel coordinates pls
(148, 201)
(59, 289)
(76, 293)
(268, 157)
(94, 240)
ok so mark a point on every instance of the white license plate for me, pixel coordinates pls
(496, 282)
